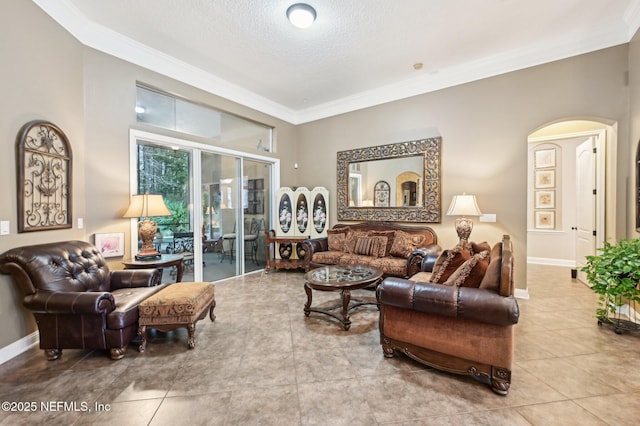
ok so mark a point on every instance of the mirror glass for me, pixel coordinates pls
(394, 182)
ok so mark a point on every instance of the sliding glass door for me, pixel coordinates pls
(219, 200)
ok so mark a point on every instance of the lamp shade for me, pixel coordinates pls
(464, 205)
(147, 205)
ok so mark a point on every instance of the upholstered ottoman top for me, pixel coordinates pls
(179, 303)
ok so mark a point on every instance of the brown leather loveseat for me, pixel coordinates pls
(78, 303)
(463, 330)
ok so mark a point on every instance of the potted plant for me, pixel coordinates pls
(614, 275)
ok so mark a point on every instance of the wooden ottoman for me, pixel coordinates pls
(178, 305)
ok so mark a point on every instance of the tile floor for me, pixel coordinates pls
(262, 362)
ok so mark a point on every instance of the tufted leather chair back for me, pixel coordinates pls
(61, 266)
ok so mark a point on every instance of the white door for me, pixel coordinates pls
(585, 204)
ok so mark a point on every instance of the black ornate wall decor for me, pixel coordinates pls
(44, 177)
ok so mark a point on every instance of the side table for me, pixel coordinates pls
(272, 261)
(166, 260)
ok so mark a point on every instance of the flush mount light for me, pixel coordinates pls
(301, 15)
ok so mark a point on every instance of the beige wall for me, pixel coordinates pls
(41, 76)
(484, 127)
(48, 75)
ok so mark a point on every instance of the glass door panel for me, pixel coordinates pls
(166, 171)
(221, 213)
(256, 208)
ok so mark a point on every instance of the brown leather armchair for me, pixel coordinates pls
(78, 303)
(461, 330)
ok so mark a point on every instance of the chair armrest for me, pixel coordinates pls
(70, 302)
(311, 246)
(473, 304)
(129, 278)
(316, 244)
(422, 259)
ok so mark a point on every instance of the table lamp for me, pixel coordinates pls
(464, 205)
(145, 206)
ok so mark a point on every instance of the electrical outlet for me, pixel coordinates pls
(80, 223)
(4, 227)
(490, 217)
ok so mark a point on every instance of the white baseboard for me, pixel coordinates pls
(521, 293)
(18, 347)
(552, 262)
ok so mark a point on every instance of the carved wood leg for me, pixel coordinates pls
(117, 353)
(500, 380)
(211, 314)
(142, 332)
(191, 328)
(387, 348)
(346, 298)
(52, 354)
(307, 289)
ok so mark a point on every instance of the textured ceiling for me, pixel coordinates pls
(358, 53)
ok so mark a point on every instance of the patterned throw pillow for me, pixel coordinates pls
(336, 239)
(367, 246)
(448, 262)
(404, 243)
(389, 235)
(352, 238)
(471, 272)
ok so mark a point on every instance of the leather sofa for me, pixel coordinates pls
(459, 329)
(396, 249)
(77, 302)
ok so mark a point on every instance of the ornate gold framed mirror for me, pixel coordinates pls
(411, 171)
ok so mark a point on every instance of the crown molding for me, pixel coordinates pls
(105, 40)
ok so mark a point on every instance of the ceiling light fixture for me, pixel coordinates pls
(301, 15)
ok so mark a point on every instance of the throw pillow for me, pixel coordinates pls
(336, 239)
(404, 243)
(389, 235)
(351, 239)
(448, 262)
(491, 280)
(367, 246)
(479, 247)
(471, 272)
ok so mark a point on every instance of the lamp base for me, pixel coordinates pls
(463, 229)
(148, 256)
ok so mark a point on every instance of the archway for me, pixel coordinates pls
(554, 236)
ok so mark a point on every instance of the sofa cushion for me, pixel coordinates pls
(395, 266)
(491, 279)
(331, 257)
(336, 239)
(471, 272)
(448, 262)
(404, 243)
(390, 237)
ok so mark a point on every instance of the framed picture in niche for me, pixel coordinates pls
(545, 199)
(545, 179)
(545, 220)
(545, 158)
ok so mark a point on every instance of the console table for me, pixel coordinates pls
(287, 263)
(165, 261)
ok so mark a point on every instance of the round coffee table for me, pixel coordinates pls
(342, 278)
